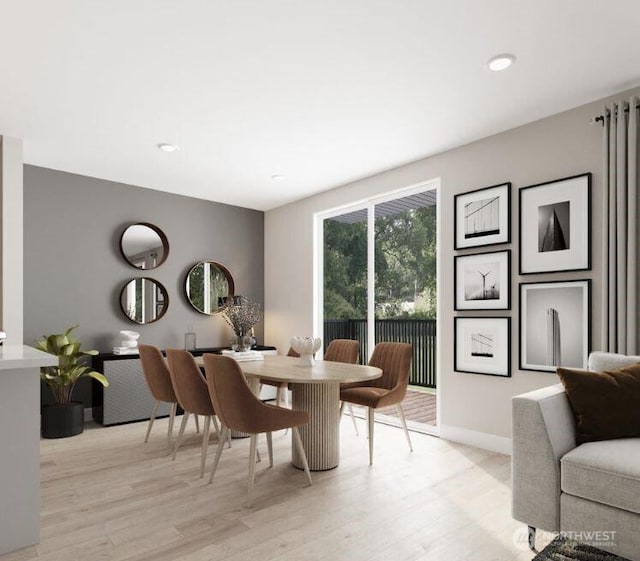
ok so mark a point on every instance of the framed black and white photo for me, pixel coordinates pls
(555, 226)
(555, 320)
(482, 346)
(483, 217)
(482, 281)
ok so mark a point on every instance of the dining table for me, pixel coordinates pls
(316, 390)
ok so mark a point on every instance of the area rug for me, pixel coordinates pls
(562, 549)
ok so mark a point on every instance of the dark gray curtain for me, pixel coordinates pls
(620, 228)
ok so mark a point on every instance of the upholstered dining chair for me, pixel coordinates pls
(394, 359)
(158, 378)
(282, 387)
(239, 409)
(348, 351)
(193, 396)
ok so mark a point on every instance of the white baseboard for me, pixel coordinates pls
(88, 414)
(486, 441)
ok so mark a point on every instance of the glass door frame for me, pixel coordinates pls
(318, 266)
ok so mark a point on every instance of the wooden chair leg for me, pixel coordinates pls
(205, 443)
(253, 448)
(371, 418)
(172, 419)
(403, 420)
(185, 418)
(298, 443)
(270, 449)
(279, 396)
(353, 419)
(215, 425)
(197, 424)
(223, 437)
(151, 419)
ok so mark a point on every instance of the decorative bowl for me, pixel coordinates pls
(306, 347)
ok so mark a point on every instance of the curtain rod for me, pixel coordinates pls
(600, 118)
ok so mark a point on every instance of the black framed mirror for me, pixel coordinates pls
(144, 246)
(207, 285)
(144, 300)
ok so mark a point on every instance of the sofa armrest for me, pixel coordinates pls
(543, 432)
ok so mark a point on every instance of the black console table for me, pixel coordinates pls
(127, 399)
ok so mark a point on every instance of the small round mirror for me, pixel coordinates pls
(144, 300)
(144, 246)
(207, 285)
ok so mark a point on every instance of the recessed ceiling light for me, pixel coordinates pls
(500, 62)
(165, 147)
(277, 177)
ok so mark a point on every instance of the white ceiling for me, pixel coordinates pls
(321, 91)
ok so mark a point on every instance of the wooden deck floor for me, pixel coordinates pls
(418, 406)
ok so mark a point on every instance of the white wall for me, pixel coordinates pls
(12, 240)
(474, 408)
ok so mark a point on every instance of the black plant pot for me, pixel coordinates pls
(61, 421)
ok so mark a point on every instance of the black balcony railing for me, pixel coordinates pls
(421, 333)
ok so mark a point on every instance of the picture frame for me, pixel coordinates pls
(482, 281)
(555, 226)
(482, 217)
(555, 324)
(482, 345)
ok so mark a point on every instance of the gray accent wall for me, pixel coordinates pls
(73, 270)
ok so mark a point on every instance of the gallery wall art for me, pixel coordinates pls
(482, 281)
(482, 345)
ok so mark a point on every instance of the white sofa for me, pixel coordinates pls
(560, 487)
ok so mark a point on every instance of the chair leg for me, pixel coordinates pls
(205, 443)
(197, 424)
(298, 443)
(223, 438)
(270, 449)
(151, 419)
(172, 419)
(403, 420)
(253, 448)
(183, 424)
(215, 425)
(353, 418)
(279, 396)
(371, 418)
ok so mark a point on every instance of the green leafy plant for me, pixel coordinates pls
(62, 379)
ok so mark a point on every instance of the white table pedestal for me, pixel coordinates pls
(321, 436)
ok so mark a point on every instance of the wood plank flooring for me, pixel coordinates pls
(418, 406)
(108, 496)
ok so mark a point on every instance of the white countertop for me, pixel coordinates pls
(13, 357)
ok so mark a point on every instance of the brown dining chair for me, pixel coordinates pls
(343, 350)
(394, 359)
(239, 409)
(193, 396)
(158, 378)
(282, 387)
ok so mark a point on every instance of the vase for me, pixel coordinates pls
(241, 343)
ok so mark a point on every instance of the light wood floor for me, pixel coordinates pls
(108, 496)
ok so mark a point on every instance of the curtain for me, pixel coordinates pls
(620, 229)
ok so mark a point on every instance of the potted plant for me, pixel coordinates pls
(241, 314)
(65, 417)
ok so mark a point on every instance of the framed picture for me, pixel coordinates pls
(483, 217)
(482, 346)
(555, 324)
(482, 281)
(555, 226)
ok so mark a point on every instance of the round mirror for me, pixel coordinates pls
(144, 300)
(144, 246)
(207, 286)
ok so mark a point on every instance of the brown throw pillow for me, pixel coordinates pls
(605, 405)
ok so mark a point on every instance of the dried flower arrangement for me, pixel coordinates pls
(241, 314)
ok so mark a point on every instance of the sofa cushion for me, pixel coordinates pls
(605, 404)
(607, 472)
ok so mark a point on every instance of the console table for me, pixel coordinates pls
(127, 399)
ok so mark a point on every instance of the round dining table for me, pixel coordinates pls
(316, 390)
